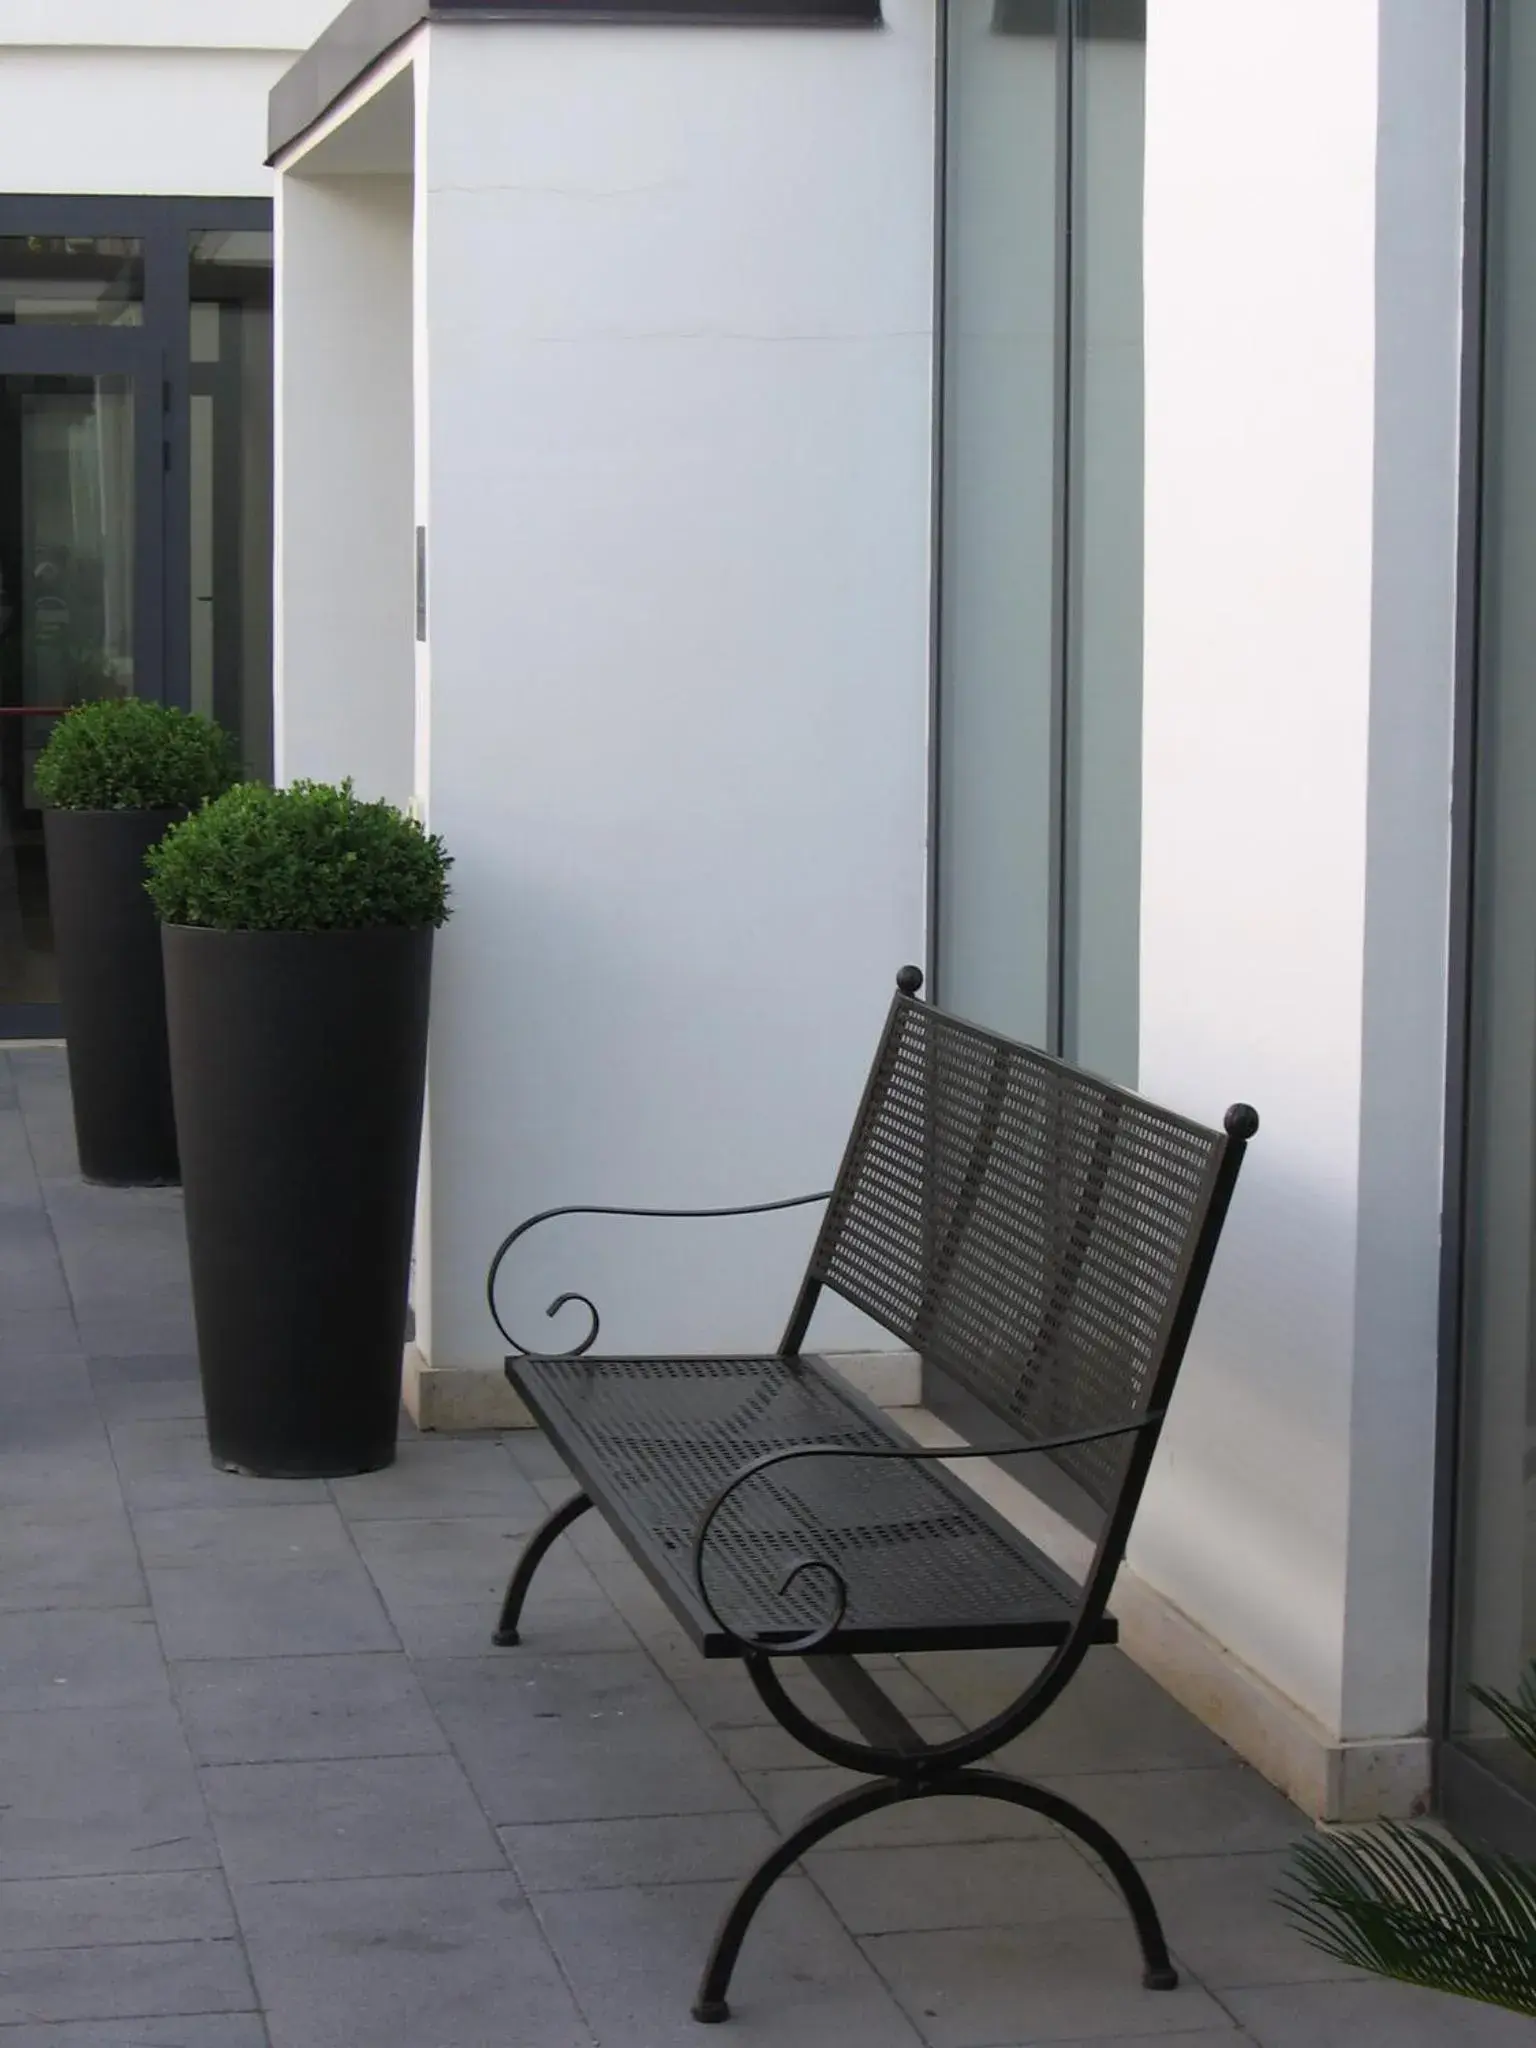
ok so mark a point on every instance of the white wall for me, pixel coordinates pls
(1301, 522)
(344, 703)
(175, 24)
(678, 493)
(152, 96)
(136, 121)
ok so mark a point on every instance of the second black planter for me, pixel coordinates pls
(112, 993)
(299, 1065)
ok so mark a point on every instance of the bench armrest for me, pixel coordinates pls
(584, 1209)
(807, 1645)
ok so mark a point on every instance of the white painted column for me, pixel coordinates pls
(679, 291)
(1304, 170)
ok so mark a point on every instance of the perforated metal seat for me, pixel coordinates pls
(925, 1562)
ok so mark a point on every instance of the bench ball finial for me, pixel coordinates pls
(910, 980)
(1241, 1121)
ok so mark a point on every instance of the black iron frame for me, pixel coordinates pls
(902, 1764)
(158, 356)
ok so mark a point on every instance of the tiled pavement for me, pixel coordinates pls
(263, 1784)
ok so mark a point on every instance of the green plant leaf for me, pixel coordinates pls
(311, 857)
(127, 754)
(1406, 1903)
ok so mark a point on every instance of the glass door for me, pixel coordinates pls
(81, 592)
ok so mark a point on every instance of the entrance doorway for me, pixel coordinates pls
(135, 499)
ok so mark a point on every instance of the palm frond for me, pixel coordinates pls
(1517, 1715)
(1404, 1903)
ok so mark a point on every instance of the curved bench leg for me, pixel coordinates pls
(710, 2006)
(533, 1556)
(1158, 1973)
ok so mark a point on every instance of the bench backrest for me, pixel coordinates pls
(1038, 1234)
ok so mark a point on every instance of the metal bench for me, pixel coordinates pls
(1040, 1237)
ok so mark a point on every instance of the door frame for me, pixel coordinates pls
(160, 353)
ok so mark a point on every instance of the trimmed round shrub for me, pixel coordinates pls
(127, 754)
(308, 858)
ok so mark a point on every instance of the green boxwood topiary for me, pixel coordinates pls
(308, 858)
(127, 754)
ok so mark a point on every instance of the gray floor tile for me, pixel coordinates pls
(773, 1748)
(534, 1455)
(207, 2030)
(635, 1957)
(1041, 1981)
(83, 1658)
(788, 1796)
(1373, 2016)
(1222, 1918)
(122, 1248)
(134, 1332)
(1110, 1707)
(96, 1912)
(433, 1475)
(31, 1274)
(720, 1695)
(33, 1333)
(268, 1610)
(99, 1793)
(356, 1817)
(253, 1710)
(579, 1738)
(155, 1388)
(1226, 2037)
(427, 1561)
(454, 1962)
(57, 1556)
(123, 1981)
(80, 1475)
(164, 1463)
(564, 1856)
(309, 1532)
(553, 1628)
(968, 1884)
(1227, 1810)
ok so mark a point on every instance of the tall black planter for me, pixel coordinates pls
(299, 1064)
(112, 993)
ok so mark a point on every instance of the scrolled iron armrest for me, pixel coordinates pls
(583, 1209)
(808, 1645)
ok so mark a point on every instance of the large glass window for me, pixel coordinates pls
(1496, 1565)
(71, 281)
(1038, 828)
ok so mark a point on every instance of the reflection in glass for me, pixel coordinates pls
(1101, 997)
(71, 281)
(997, 801)
(231, 486)
(1496, 1620)
(66, 615)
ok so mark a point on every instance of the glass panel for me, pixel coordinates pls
(1496, 1624)
(231, 486)
(1102, 909)
(66, 615)
(71, 281)
(997, 793)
